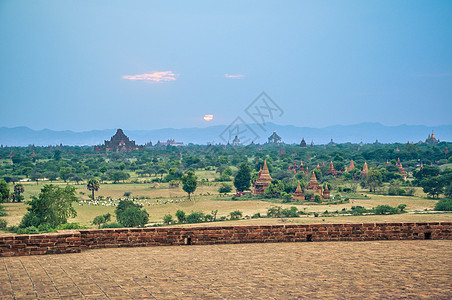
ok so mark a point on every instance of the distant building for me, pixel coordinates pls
(274, 138)
(332, 144)
(118, 143)
(303, 143)
(431, 140)
(236, 141)
(170, 142)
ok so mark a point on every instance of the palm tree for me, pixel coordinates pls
(93, 185)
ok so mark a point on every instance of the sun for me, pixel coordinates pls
(208, 118)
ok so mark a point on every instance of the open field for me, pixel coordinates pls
(206, 203)
(319, 270)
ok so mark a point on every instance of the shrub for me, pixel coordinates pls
(68, 226)
(385, 210)
(180, 215)
(112, 225)
(317, 198)
(358, 210)
(130, 214)
(444, 204)
(168, 219)
(291, 212)
(235, 215)
(274, 212)
(225, 188)
(256, 216)
(3, 224)
(28, 230)
(2, 211)
(195, 217)
(102, 219)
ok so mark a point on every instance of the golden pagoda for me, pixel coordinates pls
(298, 194)
(314, 185)
(263, 180)
(365, 170)
(351, 167)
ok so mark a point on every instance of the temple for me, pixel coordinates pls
(274, 138)
(326, 192)
(331, 170)
(431, 140)
(401, 170)
(365, 170)
(351, 166)
(303, 143)
(332, 144)
(171, 142)
(263, 180)
(118, 143)
(314, 186)
(298, 194)
(236, 141)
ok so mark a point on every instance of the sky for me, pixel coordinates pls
(84, 65)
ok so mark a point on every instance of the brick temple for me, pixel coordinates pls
(263, 180)
(118, 143)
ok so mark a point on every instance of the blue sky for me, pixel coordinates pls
(83, 65)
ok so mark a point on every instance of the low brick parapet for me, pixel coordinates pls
(76, 241)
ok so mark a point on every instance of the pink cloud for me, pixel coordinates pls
(237, 76)
(156, 76)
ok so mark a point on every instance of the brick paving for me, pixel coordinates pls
(349, 270)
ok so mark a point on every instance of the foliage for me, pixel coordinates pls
(386, 210)
(112, 225)
(274, 189)
(274, 212)
(190, 182)
(93, 185)
(168, 219)
(373, 180)
(444, 204)
(130, 214)
(432, 186)
(18, 190)
(3, 224)
(2, 211)
(242, 180)
(235, 215)
(180, 215)
(4, 191)
(53, 206)
(102, 219)
(195, 217)
(225, 188)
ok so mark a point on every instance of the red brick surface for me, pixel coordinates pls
(75, 241)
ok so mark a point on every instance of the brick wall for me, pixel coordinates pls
(135, 237)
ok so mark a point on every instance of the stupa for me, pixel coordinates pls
(298, 194)
(326, 192)
(365, 170)
(314, 186)
(263, 180)
(332, 171)
(351, 166)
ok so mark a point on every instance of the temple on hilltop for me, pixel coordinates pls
(298, 194)
(236, 141)
(263, 180)
(331, 170)
(431, 140)
(274, 138)
(351, 166)
(303, 143)
(365, 170)
(118, 143)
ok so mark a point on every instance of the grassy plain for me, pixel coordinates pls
(206, 199)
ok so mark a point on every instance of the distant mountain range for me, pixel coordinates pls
(366, 132)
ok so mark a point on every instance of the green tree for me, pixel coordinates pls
(225, 188)
(180, 215)
(102, 219)
(53, 206)
(168, 219)
(130, 214)
(274, 189)
(190, 182)
(65, 173)
(373, 180)
(242, 180)
(235, 215)
(444, 204)
(18, 190)
(93, 185)
(4, 191)
(432, 186)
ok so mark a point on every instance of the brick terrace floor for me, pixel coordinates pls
(379, 269)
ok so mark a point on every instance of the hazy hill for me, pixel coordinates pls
(367, 132)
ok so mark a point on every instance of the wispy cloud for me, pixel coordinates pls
(155, 76)
(432, 75)
(235, 76)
